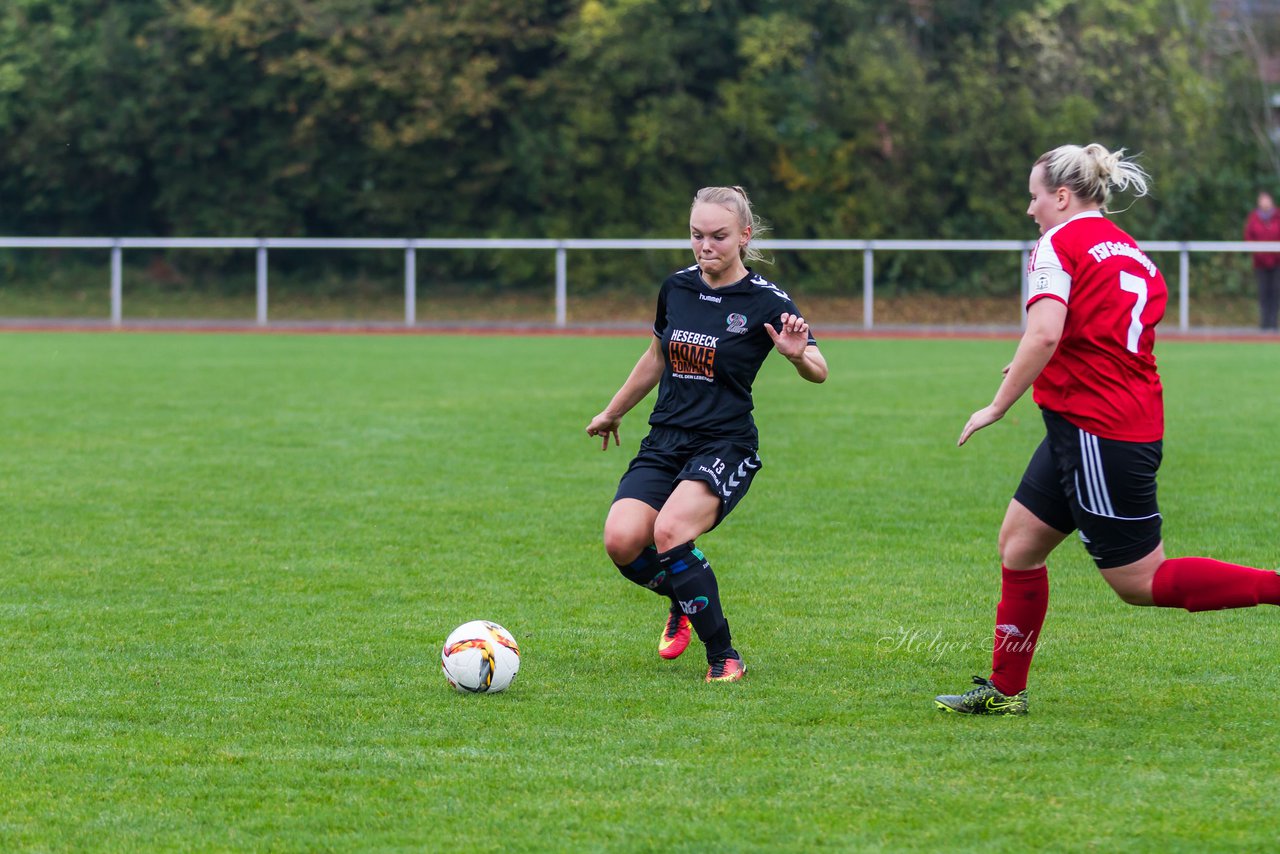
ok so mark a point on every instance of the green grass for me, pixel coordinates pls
(228, 564)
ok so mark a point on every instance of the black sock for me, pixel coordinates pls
(648, 573)
(698, 595)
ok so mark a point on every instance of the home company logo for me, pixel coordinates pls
(693, 355)
(695, 606)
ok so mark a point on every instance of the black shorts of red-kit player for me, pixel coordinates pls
(698, 596)
(1104, 488)
(648, 573)
(669, 455)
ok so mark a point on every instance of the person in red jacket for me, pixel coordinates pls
(1264, 224)
(1088, 353)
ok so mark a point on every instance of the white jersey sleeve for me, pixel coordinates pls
(1045, 274)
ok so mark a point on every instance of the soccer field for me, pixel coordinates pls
(229, 562)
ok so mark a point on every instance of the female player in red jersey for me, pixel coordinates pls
(716, 323)
(1095, 299)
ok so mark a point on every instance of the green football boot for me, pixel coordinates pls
(986, 699)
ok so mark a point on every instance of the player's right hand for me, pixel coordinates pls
(984, 417)
(605, 425)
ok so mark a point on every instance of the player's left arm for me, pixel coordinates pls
(793, 342)
(1045, 319)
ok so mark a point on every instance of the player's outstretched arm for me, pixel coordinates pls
(644, 376)
(793, 342)
(1045, 319)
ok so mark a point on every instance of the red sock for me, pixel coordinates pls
(1204, 584)
(1024, 598)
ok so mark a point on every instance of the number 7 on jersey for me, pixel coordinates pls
(1135, 285)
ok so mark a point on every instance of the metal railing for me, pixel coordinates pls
(411, 246)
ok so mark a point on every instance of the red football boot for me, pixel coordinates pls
(675, 635)
(726, 670)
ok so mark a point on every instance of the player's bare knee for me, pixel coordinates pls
(1015, 554)
(1003, 546)
(1134, 595)
(624, 544)
(669, 533)
(1131, 583)
(665, 540)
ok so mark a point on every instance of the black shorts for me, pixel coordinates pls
(1104, 488)
(669, 455)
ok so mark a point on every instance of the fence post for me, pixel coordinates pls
(117, 283)
(262, 282)
(1023, 284)
(1184, 289)
(868, 287)
(562, 285)
(410, 284)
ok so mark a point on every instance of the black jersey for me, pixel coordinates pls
(713, 341)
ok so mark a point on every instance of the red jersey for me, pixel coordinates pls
(1103, 376)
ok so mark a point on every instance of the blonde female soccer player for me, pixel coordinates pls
(716, 322)
(1095, 300)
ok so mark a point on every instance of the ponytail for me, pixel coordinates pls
(1091, 171)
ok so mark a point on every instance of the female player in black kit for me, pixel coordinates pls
(716, 323)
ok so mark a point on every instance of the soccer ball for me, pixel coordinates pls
(480, 657)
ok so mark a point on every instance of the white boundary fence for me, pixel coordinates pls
(411, 246)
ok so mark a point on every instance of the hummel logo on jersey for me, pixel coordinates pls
(709, 298)
(695, 606)
(1010, 630)
(737, 323)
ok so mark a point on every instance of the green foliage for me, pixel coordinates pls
(596, 118)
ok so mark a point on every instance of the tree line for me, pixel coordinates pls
(599, 118)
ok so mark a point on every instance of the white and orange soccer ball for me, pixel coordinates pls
(480, 657)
